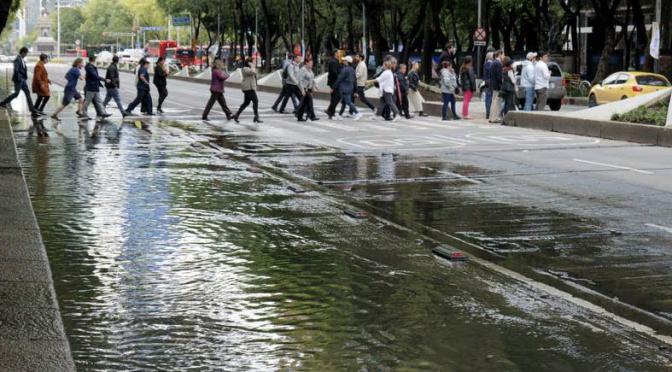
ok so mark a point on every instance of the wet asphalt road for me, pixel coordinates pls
(581, 214)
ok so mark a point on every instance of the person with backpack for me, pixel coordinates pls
(292, 83)
(161, 83)
(249, 88)
(284, 91)
(468, 79)
(448, 85)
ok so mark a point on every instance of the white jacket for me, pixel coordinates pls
(527, 76)
(386, 81)
(361, 72)
(542, 75)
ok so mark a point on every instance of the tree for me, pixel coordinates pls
(606, 18)
(8, 10)
(71, 19)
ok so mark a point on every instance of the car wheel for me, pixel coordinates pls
(592, 101)
(555, 104)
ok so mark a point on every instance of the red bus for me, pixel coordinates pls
(185, 56)
(157, 48)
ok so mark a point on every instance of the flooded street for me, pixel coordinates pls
(172, 256)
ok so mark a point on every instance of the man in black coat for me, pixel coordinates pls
(20, 79)
(495, 84)
(334, 70)
(112, 86)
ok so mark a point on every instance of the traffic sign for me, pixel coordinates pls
(480, 34)
(153, 28)
(182, 20)
(77, 42)
(480, 43)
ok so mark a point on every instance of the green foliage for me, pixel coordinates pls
(645, 115)
(71, 19)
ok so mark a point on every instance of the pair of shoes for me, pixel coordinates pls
(455, 117)
(235, 118)
(301, 119)
(41, 113)
(125, 114)
(396, 118)
(55, 117)
(228, 116)
(275, 109)
(81, 114)
(105, 115)
(34, 114)
(159, 110)
(422, 114)
(150, 114)
(445, 118)
(357, 117)
(409, 116)
(6, 106)
(205, 118)
(314, 118)
(257, 120)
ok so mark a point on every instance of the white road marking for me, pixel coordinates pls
(613, 166)
(664, 228)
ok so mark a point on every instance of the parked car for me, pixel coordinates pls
(625, 84)
(556, 89)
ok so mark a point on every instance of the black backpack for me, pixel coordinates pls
(285, 74)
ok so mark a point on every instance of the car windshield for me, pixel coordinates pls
(652, 81)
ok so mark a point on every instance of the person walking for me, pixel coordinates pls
(402, 91)
(307, 85)
(386, 86)
(362, 72)
(448, 86)
(160, 75)
(486, 80)
(20, 80)
(527, 80)
(143, 91)
(346, 84)
(70, 92)
(448, 54)
(41, 84)
(495, 84)
(542, 78)
(143, 104)
(92, 90)
(285, 90)
(334, 70)
(414, 96)
(292, 83)
(468, 80)
(217, 91)
(249, 88)
(112, 87)
(508, 87)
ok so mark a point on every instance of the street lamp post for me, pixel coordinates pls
(364, 44)
(303, 25)
(658, 10)
(58, 22)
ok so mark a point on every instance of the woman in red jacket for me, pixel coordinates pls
(41, 84)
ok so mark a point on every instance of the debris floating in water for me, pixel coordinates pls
(223, 156)
(449, 254)
(254, 170)
(356, 214)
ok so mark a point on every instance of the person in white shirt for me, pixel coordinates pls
(542, 77)
(386, 86)
(527, 80)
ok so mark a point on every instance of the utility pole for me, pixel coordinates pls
(58, 21)
(170, 27)
(303, 25)
(364, 43)
(658, 11)
(256, 32)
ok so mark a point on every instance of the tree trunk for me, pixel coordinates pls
(609, 43)
(428, 44)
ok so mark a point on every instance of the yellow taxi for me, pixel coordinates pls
(624, 85)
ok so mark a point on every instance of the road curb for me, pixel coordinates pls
(612, 130)
(32, 336)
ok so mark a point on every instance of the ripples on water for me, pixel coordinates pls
(166, 258)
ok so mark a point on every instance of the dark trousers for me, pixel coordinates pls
(448, 98)
(163, 93)
(292, 91)
(283, 97)
(143, 97)
(216, 97)
(19, 86)
(362, 97)
(387, 105)
(250, 96)
(335, 99)
(306, 106)
(403, 104)
(40, 102)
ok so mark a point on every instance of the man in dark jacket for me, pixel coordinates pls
(92, 89)
(448, 54)
(346, 83)
(334, 70)
(285, 91)
(20, 79)
(402, 94)
(112, 85)
(495, 84)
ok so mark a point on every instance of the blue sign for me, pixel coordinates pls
(153, 28)
(182, 20)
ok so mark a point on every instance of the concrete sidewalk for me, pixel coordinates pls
(32, 337)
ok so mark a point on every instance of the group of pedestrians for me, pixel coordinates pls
(500, 80)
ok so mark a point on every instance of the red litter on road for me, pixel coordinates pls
(356, 214)
(449, 254)
(254, 170)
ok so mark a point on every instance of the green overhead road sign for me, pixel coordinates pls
(182, 20)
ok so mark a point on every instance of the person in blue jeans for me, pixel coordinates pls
(112, 87)
(527, 80)
(143, 91)
(488, 89)
(448, 85)
(345, 84)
